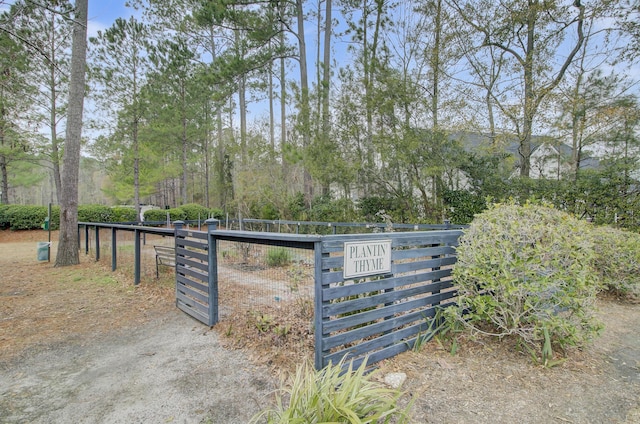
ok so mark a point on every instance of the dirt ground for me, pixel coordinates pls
(80, 344)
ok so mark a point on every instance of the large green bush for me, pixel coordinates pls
(175, 214)
(155, 215)
(617, 261)
(27, 217)
(216, 213)
(95, 213)
(4, 217)
(123, 214)
(194, 211)
(527, 271)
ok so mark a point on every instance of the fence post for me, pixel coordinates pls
(177, 226)
(86, 239)
(97, 243)
(318, 319)
(114, 250)
(136, 257)
(212, 226)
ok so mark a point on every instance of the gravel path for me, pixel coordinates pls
(172, 370)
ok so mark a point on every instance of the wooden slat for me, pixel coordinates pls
(375, 314)
(203, 309)
(348, 306)
(192, 243)
(195, 254)
(422, 252)
(392, 324)
(195, 294)
(184, 233)
(419, 265)
(189, 263)
(195, 284)
(336, 292)
(192, 271)
(384, 341)
(185, 307)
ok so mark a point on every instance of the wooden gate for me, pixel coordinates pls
(197, 275)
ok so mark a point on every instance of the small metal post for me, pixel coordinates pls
(137, 256)
(86, 239)
(97, 243)
(114, 249)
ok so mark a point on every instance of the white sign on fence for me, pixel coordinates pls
(363, 258)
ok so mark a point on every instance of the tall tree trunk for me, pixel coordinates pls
(272, 119)
(533, 97)
(68, 240)
(242, 104)
(283, 97)
(435, 66)
(185, 169)
(369, 71)
(326, 70)
(207, 149)
(304, 97)
(4, 174)
(529, 102)
(326, 82)
(136, 169)
(53, 118)
(435, 98)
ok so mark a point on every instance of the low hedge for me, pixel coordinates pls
(29, 217)
(190, 212)
(95, 213)
(123, 214)
(26, 217)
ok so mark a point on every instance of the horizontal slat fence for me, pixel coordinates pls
(373, 317)
(377, 317)
(196, 276)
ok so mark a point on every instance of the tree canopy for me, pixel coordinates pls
(421, 109)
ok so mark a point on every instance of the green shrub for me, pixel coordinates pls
(333, 396)
(123, 214)
(194, 211)
(94, 213)
(279, 256)
(4, 217)
(26, 217)
(216, 213)
(175, 214)
(269, 211)
(617, 261)
(527, 271)
(462, 205)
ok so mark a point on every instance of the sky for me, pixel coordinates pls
(103, 13)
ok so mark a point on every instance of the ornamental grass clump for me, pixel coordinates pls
(617, 261)
(527, 271)
(333, 395)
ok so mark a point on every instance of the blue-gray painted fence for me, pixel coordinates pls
(375, 317)
(378, 317)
